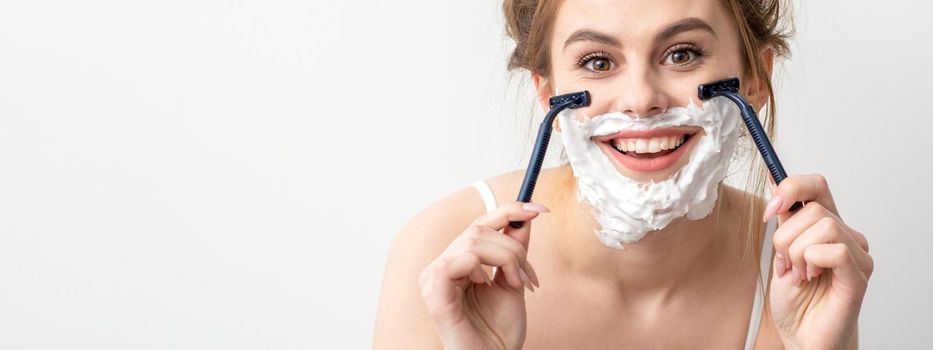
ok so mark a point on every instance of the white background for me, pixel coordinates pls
(229, 174)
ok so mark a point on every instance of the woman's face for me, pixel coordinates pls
(641, 57)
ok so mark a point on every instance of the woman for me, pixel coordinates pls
(695, 274)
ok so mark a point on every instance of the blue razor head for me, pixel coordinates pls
(710, 90)
(579, 99)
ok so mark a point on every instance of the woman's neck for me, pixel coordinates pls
(682, 254)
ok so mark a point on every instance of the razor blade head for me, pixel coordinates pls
(710, 90)
(579, 99)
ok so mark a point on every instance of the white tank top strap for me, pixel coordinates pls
(489, 199)
(765, 268)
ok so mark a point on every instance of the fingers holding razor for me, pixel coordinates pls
(848, 277)
(500, 218)
(487, 252)
(483, 243)
(799, 240)
(515, 240)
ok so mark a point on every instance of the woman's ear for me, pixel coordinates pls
(545, 92)
(757, 89)
(543, 88)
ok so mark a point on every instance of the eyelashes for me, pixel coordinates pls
(682, 55)
(693, 53)
(584, 60)
(586, 56)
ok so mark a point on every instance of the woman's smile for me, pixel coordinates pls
(649, 150)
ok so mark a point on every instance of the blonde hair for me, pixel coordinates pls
(760, 24)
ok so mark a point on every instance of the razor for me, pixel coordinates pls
(558, 103)
(729, 88)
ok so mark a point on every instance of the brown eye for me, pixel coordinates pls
(600, 64)
(680, 57)
(596, 62)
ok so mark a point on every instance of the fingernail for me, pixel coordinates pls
(810, 274)
(537, 208)
(533, 275)
(525, 282)
(773, 206)
(488, 280)
(523, 275)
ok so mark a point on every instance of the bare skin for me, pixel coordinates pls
(685, 286)
(590, 302)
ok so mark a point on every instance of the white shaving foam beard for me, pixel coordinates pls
(626, 209)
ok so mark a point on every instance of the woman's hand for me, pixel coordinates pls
(821, 268)
(470, 310)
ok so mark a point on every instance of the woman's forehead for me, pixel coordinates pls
(635, 19)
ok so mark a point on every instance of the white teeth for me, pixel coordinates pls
(619, 145)
(652, 145)
(641, 146)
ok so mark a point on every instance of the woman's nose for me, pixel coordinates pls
(641, 95)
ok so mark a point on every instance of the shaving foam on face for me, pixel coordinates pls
(626, 209)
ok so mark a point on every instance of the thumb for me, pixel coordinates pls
(521, 234)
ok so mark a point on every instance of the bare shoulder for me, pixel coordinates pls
(549, 185)
(505, 187)
(432, 229)
(436, 225)
(402, 320)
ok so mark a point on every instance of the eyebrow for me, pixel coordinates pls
(681, 26)
(591, 35)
